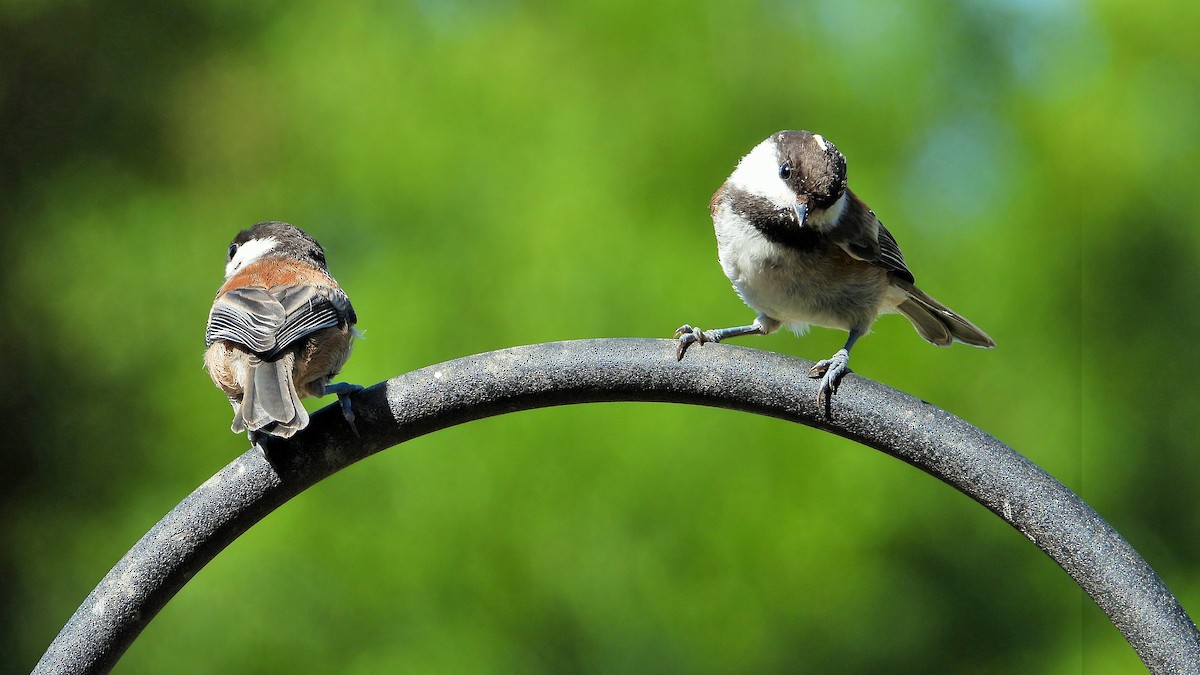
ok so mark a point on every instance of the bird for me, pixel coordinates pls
(802, 249)
(279, 330)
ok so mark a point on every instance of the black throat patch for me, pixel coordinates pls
(778, 225)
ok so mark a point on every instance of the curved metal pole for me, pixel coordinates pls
(587, 371)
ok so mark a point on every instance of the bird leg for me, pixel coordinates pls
(689, 335)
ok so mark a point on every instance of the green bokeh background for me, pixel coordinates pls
(492, 174)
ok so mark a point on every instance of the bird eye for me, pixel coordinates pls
(232, 250)
(785, 170)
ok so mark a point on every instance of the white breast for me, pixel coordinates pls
(796, 288)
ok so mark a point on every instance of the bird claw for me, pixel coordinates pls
(830, 371)
(344, 390)
(687, 337)
(348, 413)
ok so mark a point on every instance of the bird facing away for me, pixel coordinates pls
(802, 249)
(280, 329)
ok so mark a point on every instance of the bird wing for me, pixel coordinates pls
(267, 321)
(248, 316)
(862, 236)
(310, 309)
(890, 257)
(882, 252)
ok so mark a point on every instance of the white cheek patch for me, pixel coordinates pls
(758, 174)
(821, 142)
(248, 253)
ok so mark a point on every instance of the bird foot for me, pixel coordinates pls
(688, 336)
(830, 371)
(344, 390)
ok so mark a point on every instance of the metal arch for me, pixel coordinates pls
(587, 371)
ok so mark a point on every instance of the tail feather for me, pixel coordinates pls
(928, 325)
(936, 322)
(270, 402)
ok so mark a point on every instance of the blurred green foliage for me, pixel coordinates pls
(493, 174)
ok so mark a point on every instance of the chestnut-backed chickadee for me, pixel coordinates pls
(279, 330)
(801, 248)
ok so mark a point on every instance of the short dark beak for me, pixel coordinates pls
(801, 213)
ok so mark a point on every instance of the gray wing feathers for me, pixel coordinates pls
(308, 310)
(890, 257)
(267, 322)
(882, 251)
(248, 316)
